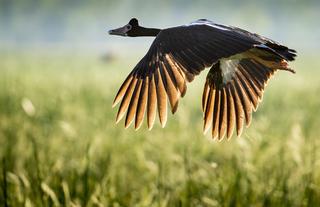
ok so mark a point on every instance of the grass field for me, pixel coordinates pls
(59, 145)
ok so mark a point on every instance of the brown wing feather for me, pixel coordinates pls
(171, 90)
(152, 103)
(244, 100)
(255, 92)
(248, 88)
(126, 99)
(223, 114)
(208, 111)
(133, 104)
(216, 114)
(161, 98)
(231, 92)
(142, 103)
(179, 76)
(231, 112)
(239, 113)
(205, 94)
(123, 89)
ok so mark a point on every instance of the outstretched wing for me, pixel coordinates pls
(174, 58)
(234, 88)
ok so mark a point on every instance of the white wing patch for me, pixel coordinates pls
(228, 68)
(210, 24)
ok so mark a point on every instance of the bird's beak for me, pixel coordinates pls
(122, 31)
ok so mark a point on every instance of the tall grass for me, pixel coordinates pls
(59, 144)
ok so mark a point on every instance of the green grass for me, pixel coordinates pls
(59, 145)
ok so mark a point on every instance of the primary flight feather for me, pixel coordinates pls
(241, 63)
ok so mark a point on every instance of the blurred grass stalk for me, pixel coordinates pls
(60, 146)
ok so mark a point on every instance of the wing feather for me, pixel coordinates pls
(239, 113)
(171, 90)
(123, 89)
(178, 75)
(248, 89)
(231, 112)
(142, 103)
(244, 101)
(133, 104)
(152, 102)
(205, 94)
(223, 114)
(126, 99)
(251, 80)
(216, 113)
(208, 112)
(161, 98)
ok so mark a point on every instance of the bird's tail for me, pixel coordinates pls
(287, 53)
(274, 59)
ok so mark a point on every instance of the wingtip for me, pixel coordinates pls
(116, 100)
(230, 131)
(114, 104)
(248, 122)
(174, 108)
(118, 119)
(137, 126)
(126, 125)
(239, 132)
(150, 124)
(284, 65)
(127, 122)
(205, 128)
(292, 71)
(214, 135)
(184, 90)
(289, 69)
(163, 121)
(220, 138)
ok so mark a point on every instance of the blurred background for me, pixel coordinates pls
(59, 145)
(84, 24)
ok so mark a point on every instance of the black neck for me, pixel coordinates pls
(142, 31)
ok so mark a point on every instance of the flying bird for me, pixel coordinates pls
(240, 62)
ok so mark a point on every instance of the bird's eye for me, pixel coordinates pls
(128, 27)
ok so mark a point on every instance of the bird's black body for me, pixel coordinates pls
(241, 63)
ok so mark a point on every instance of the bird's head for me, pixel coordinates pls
(127, 30)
